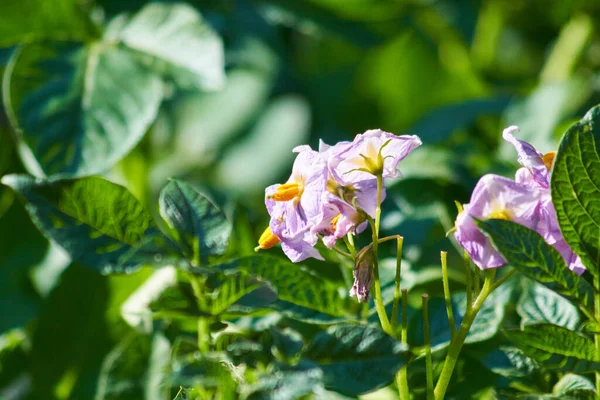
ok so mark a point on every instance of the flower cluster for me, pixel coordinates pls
(525, 200)
(331, 192)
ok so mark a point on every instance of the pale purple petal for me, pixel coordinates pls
(528, 157)
(347, 161)
(495, 194)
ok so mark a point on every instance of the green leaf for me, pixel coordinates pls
(194, 370)
(510, 362)
(529, 253)
(556, 347)
(356, 359)
(575, 187)
(135, 369)
(301, 293)
(202, 228)
(220, 294)
(24, 21)
(539, 304)
(78, 108)
(284, 382)
(569, 387)
(286, 342)
(572, 382)
(98, 222)
(176, 41)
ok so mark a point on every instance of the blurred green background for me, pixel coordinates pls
(453, 72)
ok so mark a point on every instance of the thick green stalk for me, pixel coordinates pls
(447, 296)
(428, 361)
(461, 335)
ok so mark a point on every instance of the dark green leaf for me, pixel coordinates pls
(135, 369)
(529, 253)
(176, 41)
(24, 21)
(301, 293)
(287, 342)
(575, 186)
(356, 359)
(79, 108)
(96, 221)
(569, 387)
(202, 227)
(232, 293)
(556, 347)
(510, 362)
(287, 383)
(540, 304)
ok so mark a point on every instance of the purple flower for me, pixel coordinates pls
(535, 172)
(371, 153)
(495, 197)
(296, 206)
(339, 218)
(536, 166)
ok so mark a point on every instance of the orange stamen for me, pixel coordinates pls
(267, 240)
(548, 159)
(287, 191)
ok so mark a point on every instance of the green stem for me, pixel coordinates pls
(402, 376)
(597, 315)
(428, 361)
(203, 335)
(447, 296)
(349, 240)
(379, 306)
(461, 335)
(503, 279)
(396, 301)
(476, 282)
(469, 280)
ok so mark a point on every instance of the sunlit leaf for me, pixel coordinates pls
(529, 253)
(301, 293)
(201, 226)
(98, 222)
(575, 186)
(79, 108)
(177, 42)
(556, 347)
(539, 304)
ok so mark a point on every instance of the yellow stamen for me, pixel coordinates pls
(267, 240)
(548, 159)
(501, 214)
(335, 220)
(287, 191)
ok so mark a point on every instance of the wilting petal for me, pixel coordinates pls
(362, 275)
(528, 158)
